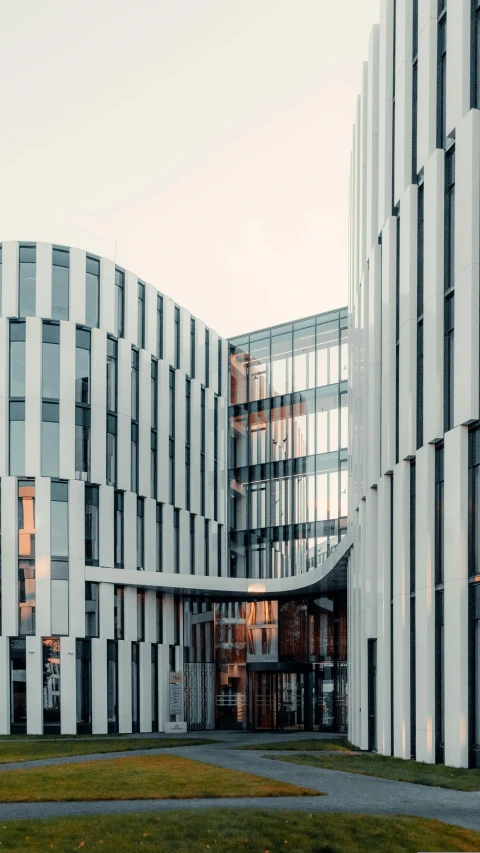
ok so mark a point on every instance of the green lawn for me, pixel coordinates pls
(313, 745)
(232, 831)
(29, 751)
(137, 777)
(435, 775)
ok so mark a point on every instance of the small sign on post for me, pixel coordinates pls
(176, 693)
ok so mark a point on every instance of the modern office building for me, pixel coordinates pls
(131, 599)
(414, 573)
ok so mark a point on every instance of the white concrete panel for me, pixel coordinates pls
(68, 705)
(168, 616)
(43, 302)
(124, 686)
(433, 369)
(107, 296)
(456, 597)
(403, 128)
(151, 339)
(372, 151)
(384, 618)
(98, 406)
(168, 538)
(106, 555)
(408, 390)
(163, 686)
(78, 267)
(67, 401)
(185, 341)
(150, 545)
(34, 685)
(214, 361)
(401, 609)
(42, 557)
(427, 82)
(433, 296)
(145, 375)
(145, 665)
(10, 278)
(130, 613)
(168, 331)
(131, 308)
(385, 113)
(5, 692)
(130, 530)
(458, 63)
(4, 382)
(200, 351)
(99, 687)
(76, 535)
(150, 616)
(425, 604)
(106, 593)
(33, 391)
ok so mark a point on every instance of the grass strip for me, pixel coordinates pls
(139, 777)
(232, 831)
(313, 745)
(25, 751)
(398, 769)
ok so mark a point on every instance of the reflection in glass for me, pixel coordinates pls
(83, 686)
(262, 631)
(50, 439)
(118, 529)
(82, 442)
(231, 655)
(92, 608)
(294, 631)
(82, 367)
(51, 684)
(91, 525)
(17, 359)
(304, 358)
(112, 685)
(259, 369)
(17, 438)
(135, 687)
(18, 685)
(26, 288)
(281, 364)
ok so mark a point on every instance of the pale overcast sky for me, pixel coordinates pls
(213, 136)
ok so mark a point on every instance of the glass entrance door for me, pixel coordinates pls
(276, 701)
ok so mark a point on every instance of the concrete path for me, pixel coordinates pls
(347, 792)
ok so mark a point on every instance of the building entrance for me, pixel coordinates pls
(276, 701)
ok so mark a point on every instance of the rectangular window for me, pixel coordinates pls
(119, 303)
(140, 534)
(91, 525)
(92, 293)
(219, 550)
(118, 611)
(135, 688)
(220, 367)
(176, 541)
(171, 471)
(83, 686)
(26, 557)
(134, 458)
(118, 530)
(111, 375)
(159, 326)
(207, 358)
(187, 479)
(112, 680)
(420, 249)
(207, 547)
(60, 283)
(202, 420)
(420, 384)
(51, 685)
(441, 77)
(140, 615)
(159, 614)
(171, 400)
(192, 347)
(188, 414)
(92, 610)
(26, 283)
(141, 316)
(17, 359)
(17, 438)
(154, 394)
(134, 385)
(449, 231)
(159, 537)
(111, 462)
(18, 686)
(177, 336)
(82, 367)
(153, 464)
(59, 574)
(439, 513)
(449, 331)
(50, 439)
(82, 442)
(59, 520)
(192, 544)
(50, 361)
(154, 687)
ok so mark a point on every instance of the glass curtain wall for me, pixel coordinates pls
(288, 426)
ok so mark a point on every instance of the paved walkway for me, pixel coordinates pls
(347, 792)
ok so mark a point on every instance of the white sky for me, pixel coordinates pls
(213, 136)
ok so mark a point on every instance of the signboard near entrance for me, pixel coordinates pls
(176, 693)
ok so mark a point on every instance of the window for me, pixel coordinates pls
(449, 331)
(439, 513)
(420, 249)
(26, 557)
(154, 423)
(111, 375)
(83, 686)
(51, 685)
(17, 359)
(159, 326)
(141, 316)
(441, 75)
(154, 686)
(171, 397)
(18, 686)
(159, 615)
(91, 525)
(192, 347)
(153, 464)
(92, 610)
(449, 245)
(135, 688)
(207, 358)
(59, 520)
(119, 303)
(134, 458)
(220, 367)
(171, 450)
(177, 336)
(92, 293)
(17, 438)
(219, 550)
(215, 458)
(112, 677)
(176, 540)
(202, 450)
(50, 439)
(50, 361)
(207, 547)
(118, 530)
(82, 367)
(154, 394)
(140, 615)
(188, 420)
(159, 537)
(140, 534)
(134, 386)
(192, 544)
(26, 284)
(111, 469)
(82, 442)
(118, 611)
(171, 471)
(60, 283)
(420, 384)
